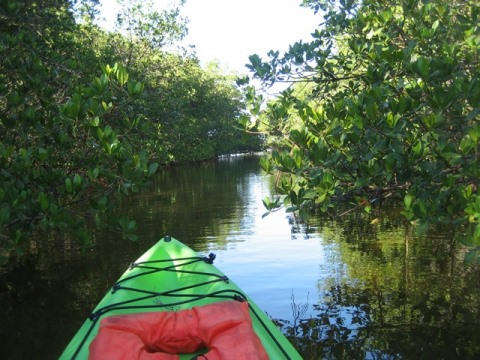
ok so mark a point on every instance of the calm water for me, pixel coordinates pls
(354, 288)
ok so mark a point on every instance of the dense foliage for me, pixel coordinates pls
(386, 102)
(89, 115)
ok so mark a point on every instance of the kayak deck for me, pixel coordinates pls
(171, 277)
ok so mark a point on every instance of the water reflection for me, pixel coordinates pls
(392, 295)
(352, 288)
(200, 202)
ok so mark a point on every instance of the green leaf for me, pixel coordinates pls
(94, 173)
(467, 191)
(135, 88)
(423, 227)
(266, 165)
(4, 214)
(244, 122)
(269, 204)
(474, 133)
(83, 236)
(407, 201)
(321, 198)
(452, 157)
(68, 184)
(107, 69)
(358, 121)
(77, 180)
(422, 207)
(132, 225)
(371, 110)
(431, 120)
(418, 148)
(43, 154)
(152, 169)
(423, 66)
(122, 75)
(361, 182)
(309, 194)
(132, 237)
(473, 256)
(298, 137)
(42, 199)
(467, 144)
(138, 88)
(266, 202)
(102, 203)
(97, 85)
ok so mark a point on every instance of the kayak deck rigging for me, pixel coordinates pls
(137, 298)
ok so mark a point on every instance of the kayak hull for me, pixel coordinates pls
(171, 277)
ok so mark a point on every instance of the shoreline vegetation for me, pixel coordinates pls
(382, 103)
(89, 115)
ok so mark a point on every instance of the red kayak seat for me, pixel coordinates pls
(224, 328)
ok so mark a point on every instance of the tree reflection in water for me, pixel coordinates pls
(364, 285)
(397, 296)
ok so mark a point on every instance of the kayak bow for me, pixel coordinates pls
(172, 279)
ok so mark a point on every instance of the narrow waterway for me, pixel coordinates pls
(355, 288)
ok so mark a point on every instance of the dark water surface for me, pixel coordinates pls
(355, 288)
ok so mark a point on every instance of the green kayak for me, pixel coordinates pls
(167, 286)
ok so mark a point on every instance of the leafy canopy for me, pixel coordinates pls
(88, 116)
(385, 102)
